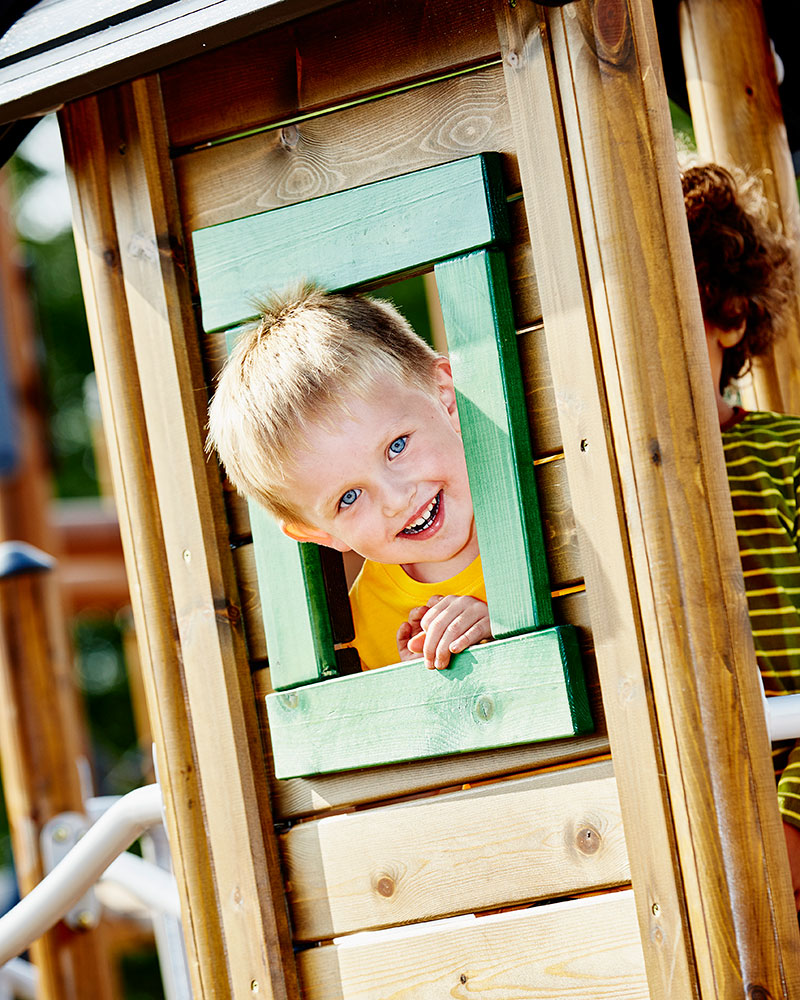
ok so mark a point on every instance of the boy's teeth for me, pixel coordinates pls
(424, 519)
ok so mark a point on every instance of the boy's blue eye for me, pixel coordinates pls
(398, 445)
(349, 498)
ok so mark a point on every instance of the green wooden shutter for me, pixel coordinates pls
(528, 684)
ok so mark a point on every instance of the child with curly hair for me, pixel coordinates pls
(744, 274)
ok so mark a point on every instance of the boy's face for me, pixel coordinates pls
(390, 481)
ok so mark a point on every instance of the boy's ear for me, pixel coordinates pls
(443, 375)
(730, 338)
(305, 533)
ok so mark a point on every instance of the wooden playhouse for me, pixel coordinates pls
(584, 808)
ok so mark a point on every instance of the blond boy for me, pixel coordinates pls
(339, 420)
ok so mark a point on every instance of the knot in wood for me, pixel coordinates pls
(386, 886)
(587, 840)
(655, 452)
(758, 993)
(290, 699)
(290, 136)
(484, 708)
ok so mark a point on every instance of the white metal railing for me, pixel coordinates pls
(112, 834)
(783, 717)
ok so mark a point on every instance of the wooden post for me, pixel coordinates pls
(25, 494)
(41, 746)
(737, 118)
(199, 694)
(624, 331)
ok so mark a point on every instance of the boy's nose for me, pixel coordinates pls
(397, 499)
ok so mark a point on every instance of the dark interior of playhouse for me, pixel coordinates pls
(378, 910)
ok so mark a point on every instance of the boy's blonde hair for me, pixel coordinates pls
(297, 366)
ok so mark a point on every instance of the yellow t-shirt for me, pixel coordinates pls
(382, 596)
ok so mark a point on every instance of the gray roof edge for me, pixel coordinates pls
(35, 82)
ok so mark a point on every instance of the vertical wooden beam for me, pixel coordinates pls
(738, 121)
(140, 526)
(213, 710)
(42, 743)
(625, 337)
(24, 494)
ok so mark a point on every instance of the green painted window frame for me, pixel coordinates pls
(528, 683)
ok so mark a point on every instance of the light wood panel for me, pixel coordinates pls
(678, 523)
(738, 121)
(594, 485)
(585, 949)
(327, 58)
(224, 732)
(516, 841)
(421, 128)
(140, 528)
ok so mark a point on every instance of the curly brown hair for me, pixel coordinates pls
(743, 265)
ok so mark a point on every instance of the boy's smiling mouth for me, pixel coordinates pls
(425, 519)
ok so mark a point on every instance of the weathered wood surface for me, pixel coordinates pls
(682, 555)
(320, 794)
(421, 128)
(495, 846)
(738, 121)
(560, 535)
(140, 527)
(351, 238)
(223, 729)
(502, 693)
(476, 307)
(586, 949)
(43, 747)
(331, 57)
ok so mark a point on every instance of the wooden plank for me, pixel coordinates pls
(473, 290)
(140, 528)
(586, 949)
(412, 220)
(737, 119)
(722, 812)
(518, 841)
(215, 670)
(327, 58)
(290, 577)
(508, 691)
(599, 513)
(344, 149)
(561, 538)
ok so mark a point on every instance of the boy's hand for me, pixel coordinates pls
(445, 625)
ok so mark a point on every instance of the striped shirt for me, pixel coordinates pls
(762, 456)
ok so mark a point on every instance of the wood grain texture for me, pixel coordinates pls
(327, 58)
(594, 486)
(476, 306)
(738, 122)
(293, 603)
(508, 691)
(585, 949)
(215, 671)
(561, 537)
(351, 238)
(514, 842)
(437, 123)
(683, 552)
(140, 528)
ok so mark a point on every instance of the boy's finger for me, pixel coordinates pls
(416, 642)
